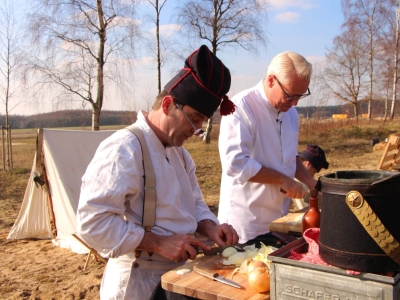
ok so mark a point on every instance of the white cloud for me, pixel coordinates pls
(315, 59)
(146, 61)
(167, 30)
(287, 17)
(302, 4)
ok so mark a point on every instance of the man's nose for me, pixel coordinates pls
(294, 102)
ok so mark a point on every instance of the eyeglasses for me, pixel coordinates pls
(197, 131)
(293, 97)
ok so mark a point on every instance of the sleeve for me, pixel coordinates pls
(111, 181)
(203, 212)
(235, 144)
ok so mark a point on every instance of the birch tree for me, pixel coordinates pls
(75, 40)
(367, 17)
(225, 23)
(347, 66)
(158, 5)
(11, 57)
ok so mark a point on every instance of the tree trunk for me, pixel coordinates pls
(207, 137)
(355, 106)
(158, 47)
(95, 118)
(396, 62)
(371, 71)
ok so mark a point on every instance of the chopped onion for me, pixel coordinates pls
(229, 251)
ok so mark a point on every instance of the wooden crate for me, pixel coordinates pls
(391, 156)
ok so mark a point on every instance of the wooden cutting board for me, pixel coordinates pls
(291, 224)
(198, 286)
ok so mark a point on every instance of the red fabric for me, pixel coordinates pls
(311, 236)
(227, 106)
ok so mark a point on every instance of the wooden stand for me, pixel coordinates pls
(91, 251)
(391, 156)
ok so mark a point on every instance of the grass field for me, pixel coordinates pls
(346, 144)
(35, 269)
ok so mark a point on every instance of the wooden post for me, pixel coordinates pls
(10, 157)
(3, 152)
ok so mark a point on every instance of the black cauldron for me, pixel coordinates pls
(344, 242)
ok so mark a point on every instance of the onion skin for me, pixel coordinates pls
(254, 264)
(259, 279)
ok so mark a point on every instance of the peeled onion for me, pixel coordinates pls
(229, 252)
(255, 264)
(259, 279)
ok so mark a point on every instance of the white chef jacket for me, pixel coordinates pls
(110, 208)
(255, 135)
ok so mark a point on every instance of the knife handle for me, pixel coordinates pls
(205, 271)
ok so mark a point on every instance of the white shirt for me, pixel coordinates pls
(111, 202)
(255, 135)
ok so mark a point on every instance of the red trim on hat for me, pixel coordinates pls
(187, 73)
(204, 87)
(223, 74)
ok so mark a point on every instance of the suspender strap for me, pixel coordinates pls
(149, 202)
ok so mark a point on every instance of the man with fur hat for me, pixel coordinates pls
(313, 158)
(110, 211)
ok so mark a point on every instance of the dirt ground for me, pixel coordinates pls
(36, 269)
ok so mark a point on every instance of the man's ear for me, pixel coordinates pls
(270, 80)
(166, 103)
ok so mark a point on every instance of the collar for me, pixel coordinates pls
(149, 134)
(261, 92)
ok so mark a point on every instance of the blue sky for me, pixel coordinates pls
(303, 26)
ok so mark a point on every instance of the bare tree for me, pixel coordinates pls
(346, 68)
(368, 17)
(10, 61)
(396, 59)
(11, 57)
(75, 40)
(158, 6)
(225, 23)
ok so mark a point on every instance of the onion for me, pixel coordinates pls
(259, 279)
(255, 264)
(229, 252)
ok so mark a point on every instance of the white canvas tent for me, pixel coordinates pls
(65, 154)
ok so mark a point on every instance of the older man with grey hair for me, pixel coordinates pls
(258, 150)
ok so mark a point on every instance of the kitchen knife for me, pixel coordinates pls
(215, 276)
(217, 250)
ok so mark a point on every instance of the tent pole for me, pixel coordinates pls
(40, 166)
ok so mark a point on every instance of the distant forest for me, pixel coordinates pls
(75, 118)
(69, 118)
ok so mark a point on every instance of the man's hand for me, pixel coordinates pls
(223, 235)
(292, 188)
(175, 247)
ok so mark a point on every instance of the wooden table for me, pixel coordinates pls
(291, 223)
(198, 286)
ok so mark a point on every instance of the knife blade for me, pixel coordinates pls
(215, 276)
(216, 250)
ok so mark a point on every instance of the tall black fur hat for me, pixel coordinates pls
(203, 83)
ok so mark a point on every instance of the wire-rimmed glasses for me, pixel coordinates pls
(199, 132)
